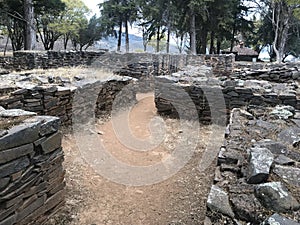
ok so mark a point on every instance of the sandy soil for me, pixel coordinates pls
(92, 199)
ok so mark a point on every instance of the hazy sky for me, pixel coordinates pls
(92, 4)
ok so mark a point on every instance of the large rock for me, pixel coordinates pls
(260, 163)
(218, 201)
(275, 196)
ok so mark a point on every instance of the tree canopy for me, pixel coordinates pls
(197, 26)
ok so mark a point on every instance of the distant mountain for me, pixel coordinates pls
(110, 43)
(135, 44)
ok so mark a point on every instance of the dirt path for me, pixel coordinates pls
(93, 199)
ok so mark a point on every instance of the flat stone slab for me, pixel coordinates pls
(275, 196)
(52, 143)
(276, 219)
(14, 153)
(290, 136)
(283, 160)
(14, 166)
(50, 124)
(15, 113)
(21, 134)
(274, 146)
(290, 175)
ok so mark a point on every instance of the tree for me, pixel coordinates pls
(155, 15)
(89, 32)
(70, 20)
(47, 16)
(280, 13)
(116, 13)
(12, 18)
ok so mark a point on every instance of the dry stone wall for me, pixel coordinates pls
(278, 73)
(24, 60)
(131, 64)
(201, 87)
(31, 171)
(257, 175)
(44, 96)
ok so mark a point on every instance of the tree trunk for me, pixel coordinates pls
(168, 39)
(280, 20)
(169, 28)
(233, 35)
(192, 32)
(126, 36)
(145, 39)
(66, 40)
(119, 36)
(218, 45)
(157, 39)
(6, 44)
(212, 46)
(202, 44)
(181, 43)
(30, 35)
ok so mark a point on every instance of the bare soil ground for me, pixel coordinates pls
(94, 200)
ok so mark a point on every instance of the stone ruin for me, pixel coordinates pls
(258, 166)
(257, 175)
(31, 172)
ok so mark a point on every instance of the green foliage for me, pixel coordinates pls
(89, 32)
(279, 27)
(115, 14)
(12, 18)
(71, 20)
(46, 14)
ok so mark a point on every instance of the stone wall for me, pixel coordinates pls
(130, 64)
(56, 99)
(138, 65)
(279, 73)
(31, 172)
(24, 60)
(201, 85)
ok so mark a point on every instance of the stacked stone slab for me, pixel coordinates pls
(258, 169)
(56, 99)
(31, 171)
(207, 92)
(24, 60)
(132, 64)
(279, 73)
(138, 65)
(99, 98)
